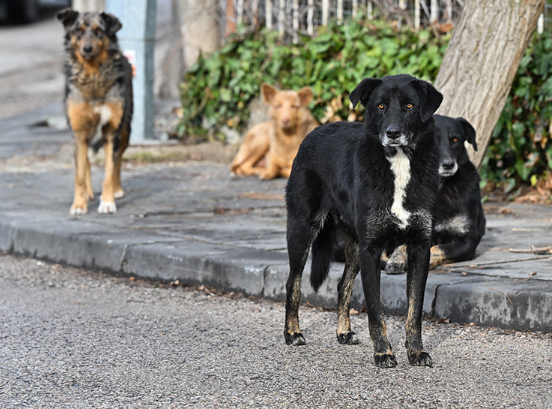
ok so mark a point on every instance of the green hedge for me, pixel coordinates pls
(218, 89)
(520, 149)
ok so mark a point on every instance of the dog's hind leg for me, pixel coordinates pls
(418, 266)
(300, 236)
(345, 290)
(369, 258)
(254, 147)
(297, 259)
(117, 188)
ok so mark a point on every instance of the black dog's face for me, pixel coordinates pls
(451, 134)
(90, 32)
(397, 106)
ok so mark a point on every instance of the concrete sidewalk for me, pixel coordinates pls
(195, 223)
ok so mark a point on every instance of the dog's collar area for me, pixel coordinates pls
(392, 151)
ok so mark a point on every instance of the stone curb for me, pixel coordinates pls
(484, 300)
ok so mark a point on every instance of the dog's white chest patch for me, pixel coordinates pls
(400, 166)
(105, 117)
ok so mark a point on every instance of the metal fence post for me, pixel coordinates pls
(136, 39)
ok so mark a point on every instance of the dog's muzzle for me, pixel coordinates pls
(394, 136)
(395, 141)
(448, 169)
(87, 52)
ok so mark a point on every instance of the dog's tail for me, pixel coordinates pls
(322, 250)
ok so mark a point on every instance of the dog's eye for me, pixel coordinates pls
(409, 106)
(98, 32)
(454, 140)
(381, 106)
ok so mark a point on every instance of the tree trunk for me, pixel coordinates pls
(200, 30)
(89, 5)
(482, 60)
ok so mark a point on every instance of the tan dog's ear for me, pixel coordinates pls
(305, 95)
(268, 93)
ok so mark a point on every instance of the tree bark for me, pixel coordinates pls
(88, 5)
(482, 60)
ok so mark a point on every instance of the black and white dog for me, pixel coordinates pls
(377, 182)
(459, 220)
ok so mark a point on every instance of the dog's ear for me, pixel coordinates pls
(469, 132)
(67, 17)
(268, 93)
(430, 98)
(112, 23)
(363, 90)
(305, 95)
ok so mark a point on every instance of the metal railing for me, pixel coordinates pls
(303, 17)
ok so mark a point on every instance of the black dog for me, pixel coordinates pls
(459, 220)
(378, 183)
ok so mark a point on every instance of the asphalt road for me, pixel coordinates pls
(76, 338)
(31, 61)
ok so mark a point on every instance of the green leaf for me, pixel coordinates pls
(225, 95)
(522, 170)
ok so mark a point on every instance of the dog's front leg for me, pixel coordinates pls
(88, 180)
(370, 273)
(418, 268)
(107, 202)
(272, 169)
(80, 201)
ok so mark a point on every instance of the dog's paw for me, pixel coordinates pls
(294, 339)
(348, 338)
(107, 207)
(267, 175)
(78, 210)
(419, 358)
(119, 194)
(394, 267)
(385, 360)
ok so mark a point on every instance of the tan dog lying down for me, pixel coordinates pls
(279, 138)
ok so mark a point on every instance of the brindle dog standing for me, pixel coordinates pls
(98, 101)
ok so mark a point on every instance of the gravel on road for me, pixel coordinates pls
(74, 338)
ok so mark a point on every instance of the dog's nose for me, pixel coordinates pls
(285, 121)
(393, 132)
(87, 48)
(447, 164)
